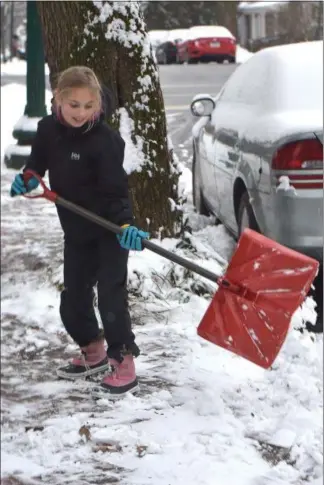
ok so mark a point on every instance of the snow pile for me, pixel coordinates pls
(242, 54)
(134, 157)
(17, 92)
(201, 412)
(284, 184)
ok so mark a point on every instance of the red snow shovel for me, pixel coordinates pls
(262, 287)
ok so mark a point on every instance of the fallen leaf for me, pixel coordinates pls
(108, 448)
(85, 431)
(141, 450)
(34, 428)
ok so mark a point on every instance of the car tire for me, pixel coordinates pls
(245, 215)
(178, 60)
(198, 200)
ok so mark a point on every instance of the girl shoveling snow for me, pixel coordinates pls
(84, 158)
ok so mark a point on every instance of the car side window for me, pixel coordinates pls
(234, 85)
(248, 84)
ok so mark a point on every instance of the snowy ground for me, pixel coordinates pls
(203, 416)
(16, 67)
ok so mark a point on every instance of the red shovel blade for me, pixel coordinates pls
(268, 282)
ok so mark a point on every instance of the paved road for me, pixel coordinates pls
(179, 85)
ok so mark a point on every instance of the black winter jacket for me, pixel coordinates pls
(84, 167)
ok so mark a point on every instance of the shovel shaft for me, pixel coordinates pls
(53, 197)
(146, 243)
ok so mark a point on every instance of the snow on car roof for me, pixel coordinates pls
(178, 34)
(296, 50)
(208, 31)
(298, 73)
(284, 84)
(158, 35)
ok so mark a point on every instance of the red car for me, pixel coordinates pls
(207, 43)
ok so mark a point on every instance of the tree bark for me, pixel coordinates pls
(99, 35)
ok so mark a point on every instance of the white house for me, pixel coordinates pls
(252, 20)
(261, 24)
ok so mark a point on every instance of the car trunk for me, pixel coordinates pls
(212, 44)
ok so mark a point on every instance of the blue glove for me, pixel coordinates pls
(131, 238)
(20, 187)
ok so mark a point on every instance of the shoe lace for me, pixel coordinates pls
(113, 371)
(84, 360)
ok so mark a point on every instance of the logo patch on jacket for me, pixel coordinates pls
(75, 156)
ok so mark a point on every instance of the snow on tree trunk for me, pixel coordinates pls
(110, 37)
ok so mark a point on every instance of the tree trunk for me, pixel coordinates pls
(110, 38)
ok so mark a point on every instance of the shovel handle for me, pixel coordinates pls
(155, 248)
(47, 193)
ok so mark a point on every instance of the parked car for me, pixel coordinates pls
(156, 37)
(207, 43)
(258, 148)
(166, 52)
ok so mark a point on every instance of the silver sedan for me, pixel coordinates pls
(258, 148)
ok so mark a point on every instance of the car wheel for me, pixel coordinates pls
(178, 60)
(245, 217)
(197, 196)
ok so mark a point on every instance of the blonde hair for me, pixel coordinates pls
(77, 77)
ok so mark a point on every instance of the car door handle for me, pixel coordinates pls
(233, 156)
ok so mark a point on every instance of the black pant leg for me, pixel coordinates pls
(317, 293)
(77, 298)
(113, 297)
(318, 297)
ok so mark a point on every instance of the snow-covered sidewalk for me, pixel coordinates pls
(16, 67)
(203, 416)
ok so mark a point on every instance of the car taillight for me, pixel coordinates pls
(305, 157)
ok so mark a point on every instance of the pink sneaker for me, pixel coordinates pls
(122, 378)
(93, 359)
